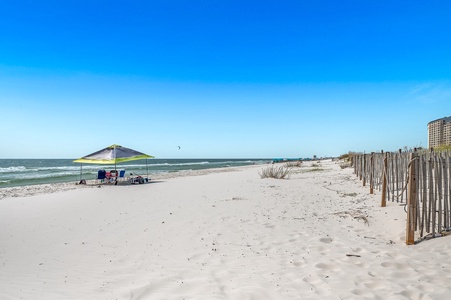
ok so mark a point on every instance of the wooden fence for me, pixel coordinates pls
(418, 179)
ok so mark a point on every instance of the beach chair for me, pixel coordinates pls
(138, 179)
(121, 176)
(101, 176)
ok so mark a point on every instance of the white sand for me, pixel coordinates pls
(225, 235)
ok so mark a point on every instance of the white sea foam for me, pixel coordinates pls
(43, 175)
(13, 169)
(74, 168)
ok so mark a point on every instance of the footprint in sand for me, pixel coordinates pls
(413, 295)
(425, 287)
(362, 293)
(270, 226)
(361, 264)
(394, 265)
(375, 284)
(326, 240)
(323, 250)
(298, 263)
(435, 280)
(313, 280)
(357, 250)
(327, 266)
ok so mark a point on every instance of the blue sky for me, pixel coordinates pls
(221, 79)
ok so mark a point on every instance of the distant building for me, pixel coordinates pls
(439, 132)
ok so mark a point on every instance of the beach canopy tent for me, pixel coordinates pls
(113, 154)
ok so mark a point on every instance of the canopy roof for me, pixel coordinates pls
(112, 155)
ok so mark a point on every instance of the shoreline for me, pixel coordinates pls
(224, 235)
(23, 172)
(47, 188)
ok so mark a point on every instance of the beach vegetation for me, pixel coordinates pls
(355, 214)
(442, 148)
(308, 170)
(277, 172)
(346, 157)
(346, 160)
(349, 195)
(294, 164)
(417, 149)
(345, 165)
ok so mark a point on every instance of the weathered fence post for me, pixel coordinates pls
(364, 169)
(411, 202)
(372, 173)
(384, 182)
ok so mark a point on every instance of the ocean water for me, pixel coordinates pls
(20, 172)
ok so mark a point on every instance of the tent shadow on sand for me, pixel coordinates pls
(126, 183)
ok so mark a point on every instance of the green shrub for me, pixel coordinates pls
(442, 148)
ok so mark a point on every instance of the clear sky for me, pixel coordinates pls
(221, 79)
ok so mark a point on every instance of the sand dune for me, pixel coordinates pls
(220, 235)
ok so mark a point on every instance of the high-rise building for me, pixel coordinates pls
(439, 132)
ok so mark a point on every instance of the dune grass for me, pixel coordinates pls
(277, 172)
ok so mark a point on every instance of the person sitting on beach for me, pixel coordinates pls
(113, 175)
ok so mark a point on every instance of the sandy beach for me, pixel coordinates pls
(216, 234)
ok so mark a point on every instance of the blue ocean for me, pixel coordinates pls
(20, 172)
